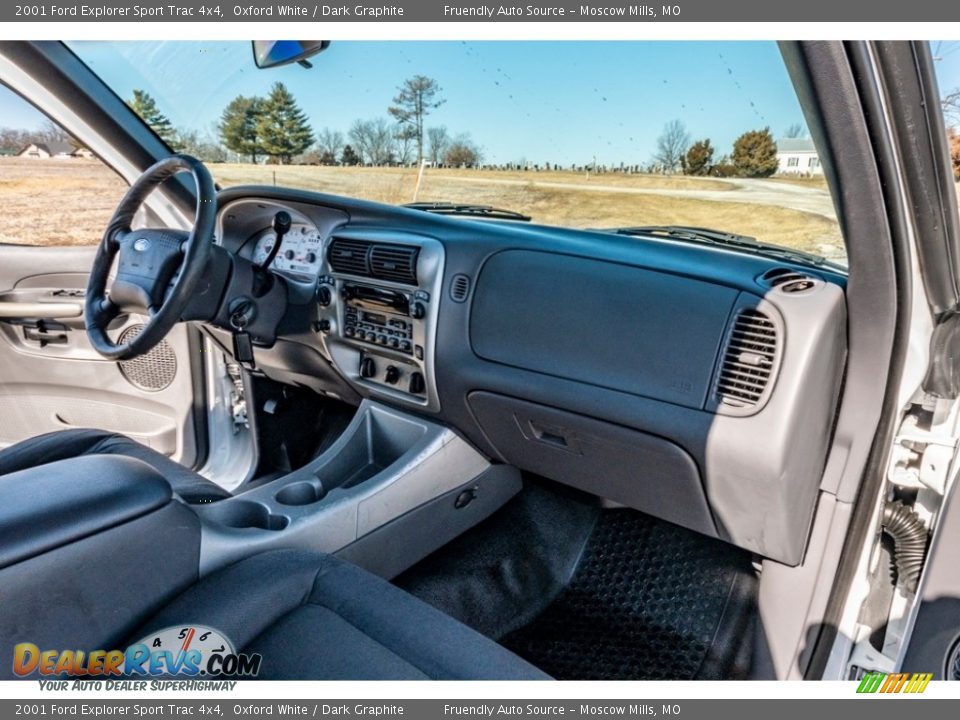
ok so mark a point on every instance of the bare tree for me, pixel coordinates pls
(374, 140)
(795, 131)
(951, 106)
(330, 141)
(13, 140)
(672, 145)
(438, 140)
(51, 132)
(463, 152)
(404, 145)
(417, 97)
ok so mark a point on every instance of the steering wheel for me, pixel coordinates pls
(157, 269)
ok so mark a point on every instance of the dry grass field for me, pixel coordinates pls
(563, 198)
(56, 202)
(68, 202)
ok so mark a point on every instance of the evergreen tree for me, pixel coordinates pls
(282, 127)
(699, 158)
(145, 106)
(238, 126)
(349, 157)
(755, 154)
(416, 98)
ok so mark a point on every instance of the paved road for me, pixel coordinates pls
(758, 192)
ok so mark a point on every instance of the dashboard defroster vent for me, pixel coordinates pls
(749, 360)
(383, 261)
(788, 280)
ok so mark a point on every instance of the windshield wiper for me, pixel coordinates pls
(468, 210)
(718, 237)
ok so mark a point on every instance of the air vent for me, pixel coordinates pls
(397, 263)
(459, 287)
(788, 280)
(394, 262)
(349, 256)
(749, 359)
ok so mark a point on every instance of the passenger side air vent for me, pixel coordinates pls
(459, 287)
(394, 262)
(788, 280)
(748, 362)
(349, 256)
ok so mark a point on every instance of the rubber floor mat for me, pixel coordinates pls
(648, 601)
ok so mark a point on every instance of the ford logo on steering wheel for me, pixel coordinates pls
(141, 244)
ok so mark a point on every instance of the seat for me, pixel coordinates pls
(98, 554)
(314, 617)
(65, 444)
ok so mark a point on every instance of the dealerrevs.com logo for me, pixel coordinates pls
(182, 651)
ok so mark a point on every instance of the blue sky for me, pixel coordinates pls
(560, 102)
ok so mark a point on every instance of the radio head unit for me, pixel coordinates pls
(378, 296)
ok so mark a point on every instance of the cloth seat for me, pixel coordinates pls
(314, 617)
(65, 444)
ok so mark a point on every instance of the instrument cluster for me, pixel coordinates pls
(301, 250)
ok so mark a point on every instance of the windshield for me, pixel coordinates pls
(577, 134)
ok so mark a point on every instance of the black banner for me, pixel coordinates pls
(449, 11)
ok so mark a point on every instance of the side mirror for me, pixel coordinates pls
(273, 53)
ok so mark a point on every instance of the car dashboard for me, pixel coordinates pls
(694, 383)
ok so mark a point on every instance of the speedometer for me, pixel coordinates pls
(299, 251)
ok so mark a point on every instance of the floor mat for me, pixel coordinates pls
(504, 572)
(648, 600)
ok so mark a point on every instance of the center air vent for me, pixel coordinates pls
(749, 360)
(396, 263)
(349, 256)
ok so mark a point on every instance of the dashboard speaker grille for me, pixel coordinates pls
(748, 360)
(153, 371)
(459, 288)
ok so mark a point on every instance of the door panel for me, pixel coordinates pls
(52, 379)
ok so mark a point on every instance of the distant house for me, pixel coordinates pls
(53, 149)
(798, 156)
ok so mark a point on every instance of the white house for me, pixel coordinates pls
(53, 149)
(798, 156)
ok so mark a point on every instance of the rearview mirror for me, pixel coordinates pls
(273, 53)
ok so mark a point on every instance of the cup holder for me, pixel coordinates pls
(246, 514)
(304, 492)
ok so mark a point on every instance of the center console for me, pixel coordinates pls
(377, 300)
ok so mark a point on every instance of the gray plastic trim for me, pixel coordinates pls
(17, 309)
(386, 464)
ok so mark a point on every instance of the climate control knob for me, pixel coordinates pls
(392, 376)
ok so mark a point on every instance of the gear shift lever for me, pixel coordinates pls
(263, 279)
(281, 226)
